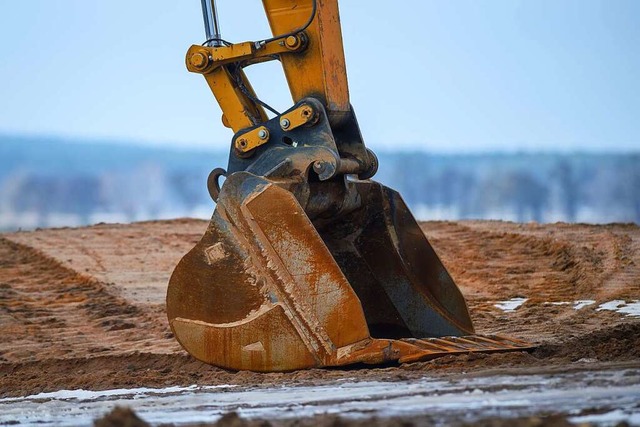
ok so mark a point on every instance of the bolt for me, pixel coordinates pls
(292, 42)
(242, 143)
(198, 60)
(263, 134)
(319, 167)
(285, 123)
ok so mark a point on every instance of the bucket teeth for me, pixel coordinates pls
(436, 347)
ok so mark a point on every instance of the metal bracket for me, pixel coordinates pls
(300, 116)
(254, 138)
(204, 59)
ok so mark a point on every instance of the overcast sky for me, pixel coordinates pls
(445, 75)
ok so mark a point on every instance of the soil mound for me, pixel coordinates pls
(84, 308)
(618, 343)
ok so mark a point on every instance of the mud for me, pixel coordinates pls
(334, 421)
(126, 417)
(120, 417)
(233, 420)
(84, 308)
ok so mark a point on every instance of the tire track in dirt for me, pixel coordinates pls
(553, 263)
(506, 264)
(134, 259)
(624, 280)
(48, 310)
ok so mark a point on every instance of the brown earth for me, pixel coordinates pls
(120, 417)
(84, 308)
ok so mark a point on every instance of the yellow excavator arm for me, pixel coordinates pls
(306, 261)
(307, 41)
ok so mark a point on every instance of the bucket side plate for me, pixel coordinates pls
(261, 257)
(404, 288)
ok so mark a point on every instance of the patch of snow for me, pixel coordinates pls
(608, 418)
(577, 305)
(510, 305)
(611, 305)
(80, 394)
(631, 309)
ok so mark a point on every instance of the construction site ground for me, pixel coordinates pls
(83, 309)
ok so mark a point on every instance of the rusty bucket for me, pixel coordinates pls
(273, 287)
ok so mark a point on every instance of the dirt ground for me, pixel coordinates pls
(84, 308)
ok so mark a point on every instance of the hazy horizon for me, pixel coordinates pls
(45, 183)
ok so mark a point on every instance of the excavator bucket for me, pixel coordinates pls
(268, 289)
(306, 262)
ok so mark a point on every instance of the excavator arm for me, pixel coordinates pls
(306, 261)
(307, 41)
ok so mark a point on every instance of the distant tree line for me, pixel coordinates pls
(520, 187)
